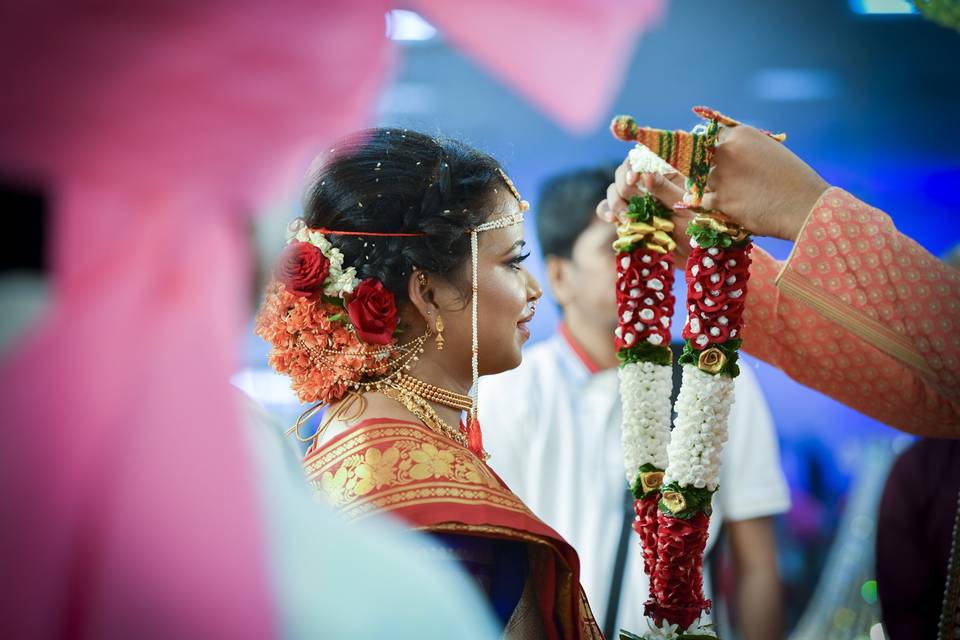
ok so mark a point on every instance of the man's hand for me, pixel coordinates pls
(667, 189)
(760, 184)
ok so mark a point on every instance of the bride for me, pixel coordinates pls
(400, 285)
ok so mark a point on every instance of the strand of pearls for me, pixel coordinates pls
(499, 223)
(474, 338)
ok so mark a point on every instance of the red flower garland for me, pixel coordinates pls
(645, 525)
(676, 586)
(716, 290)
(644, 297)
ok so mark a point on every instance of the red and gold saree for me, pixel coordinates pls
(437, 486)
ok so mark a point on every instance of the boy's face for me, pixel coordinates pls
(584, 283)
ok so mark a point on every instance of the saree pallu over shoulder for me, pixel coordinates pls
(436, 485)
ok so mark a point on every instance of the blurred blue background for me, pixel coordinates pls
(869, 100)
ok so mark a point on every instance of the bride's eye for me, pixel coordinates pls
(518, 259)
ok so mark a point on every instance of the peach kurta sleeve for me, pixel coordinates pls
(864, 314)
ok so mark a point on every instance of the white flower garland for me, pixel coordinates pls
(642, 160)
(668, 631)
(696, 443)
(340, 282)
(645, 390)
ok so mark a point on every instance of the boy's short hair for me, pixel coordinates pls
(567, 206)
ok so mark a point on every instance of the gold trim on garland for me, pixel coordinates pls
(651, 480)
(711, 360)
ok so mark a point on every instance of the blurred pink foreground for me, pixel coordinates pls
(156, 129)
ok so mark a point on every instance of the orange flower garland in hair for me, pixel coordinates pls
(318, 336)
(298, 326)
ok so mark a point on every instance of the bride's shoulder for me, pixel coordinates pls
(369, 411)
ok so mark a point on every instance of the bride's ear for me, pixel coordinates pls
(421, 290)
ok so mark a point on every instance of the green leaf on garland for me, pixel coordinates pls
(334, 300)
(697, 501)
(707, 237)
(944, 12)
(644, 352)
(643, 208)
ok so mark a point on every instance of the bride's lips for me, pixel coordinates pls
(522, 324)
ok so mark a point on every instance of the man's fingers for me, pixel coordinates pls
(724, 133)
(709, 202)
(616, 200)
(604, 213)
(620, 175)
(663, 189)
(625, 179)
(678, 179)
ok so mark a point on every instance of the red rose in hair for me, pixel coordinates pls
(373, 312)
(302, 268)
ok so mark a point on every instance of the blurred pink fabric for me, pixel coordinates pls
(156, 128)
(567, 57)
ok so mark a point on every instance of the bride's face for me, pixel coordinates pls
(507, 293)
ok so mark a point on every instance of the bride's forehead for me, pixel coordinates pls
(500, 240)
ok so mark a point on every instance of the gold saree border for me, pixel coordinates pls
(390, 466)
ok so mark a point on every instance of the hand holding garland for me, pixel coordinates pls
(760, 184)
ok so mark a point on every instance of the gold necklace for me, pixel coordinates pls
(419, 407)
(434, 393)
(386, 369)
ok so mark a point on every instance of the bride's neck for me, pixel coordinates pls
(431, 371)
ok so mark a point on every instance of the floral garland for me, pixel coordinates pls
(645, 293)
(943, 12)
(321, 320)
(674, 475)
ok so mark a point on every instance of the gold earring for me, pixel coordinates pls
(422, 278)
(439, 338)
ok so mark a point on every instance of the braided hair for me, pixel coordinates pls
(389, 180)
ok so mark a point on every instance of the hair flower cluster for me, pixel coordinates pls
(321, 355)
(320, 319)
(340, 282)
(302, 268)
(373, 312)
